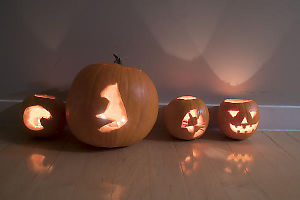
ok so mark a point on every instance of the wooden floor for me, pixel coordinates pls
(266, 166)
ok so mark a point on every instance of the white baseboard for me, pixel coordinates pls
(279, 118)
(273, 117)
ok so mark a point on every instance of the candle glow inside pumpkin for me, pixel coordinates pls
(187, 97)
(45, 96)
(32, 117)
(115, 110)
(193, 122)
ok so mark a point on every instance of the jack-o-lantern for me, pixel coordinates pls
(42, 115)
(111, 105)
(238, 118)
(186, 117)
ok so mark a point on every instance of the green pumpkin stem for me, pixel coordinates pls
(118, 59)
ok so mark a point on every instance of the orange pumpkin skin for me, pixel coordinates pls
(111, 105)
(42, 115)
(186, 117)
(237, 118)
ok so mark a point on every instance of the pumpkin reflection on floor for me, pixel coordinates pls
(191, 161)
(239, 162)
(36, 164)
(234, 164)
(114, 191)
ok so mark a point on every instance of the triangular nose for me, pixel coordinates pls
(244, 121)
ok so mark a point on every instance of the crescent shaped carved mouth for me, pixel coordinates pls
(243, 129)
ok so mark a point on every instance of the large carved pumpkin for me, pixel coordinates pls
(42, 115)
(186, 117)
(238, 118)
(111, 105)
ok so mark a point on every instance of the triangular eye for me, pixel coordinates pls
(252, 113)
(233, 113)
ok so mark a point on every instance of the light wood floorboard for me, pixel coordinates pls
(265, 166)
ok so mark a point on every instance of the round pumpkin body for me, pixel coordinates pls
(186, 117)
(238, 118)
(111, 105)
(42, 115)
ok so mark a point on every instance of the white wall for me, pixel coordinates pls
(212, 49)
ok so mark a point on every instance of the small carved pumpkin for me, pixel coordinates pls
(42, 115)
(237, 118)
(111, 105)
(186, 117)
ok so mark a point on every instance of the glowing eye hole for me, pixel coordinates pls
(252, 113)
(233, 113)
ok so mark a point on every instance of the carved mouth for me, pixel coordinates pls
(112, 125)
(243, 129)
(196, 130)
(33, 115)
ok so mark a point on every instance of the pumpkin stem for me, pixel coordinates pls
(118, 59)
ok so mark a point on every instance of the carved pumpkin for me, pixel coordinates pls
(186, 117)
(237, 118)
(111, 105)
(42, 115)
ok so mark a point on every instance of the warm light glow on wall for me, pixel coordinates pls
(182, 28)
(210, 34)
(239, 47)
(49, 22)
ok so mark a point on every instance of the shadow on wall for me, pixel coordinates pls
(209, 49)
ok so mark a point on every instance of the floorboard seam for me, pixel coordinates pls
(280, 147)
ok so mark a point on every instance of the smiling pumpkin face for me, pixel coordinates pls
(237, 118)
